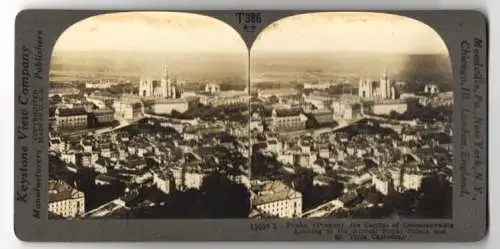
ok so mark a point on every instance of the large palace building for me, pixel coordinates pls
(164, 87)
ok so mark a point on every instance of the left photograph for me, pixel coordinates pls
(149, 119)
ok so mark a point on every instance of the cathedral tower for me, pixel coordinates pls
(365, 88)
(165, 82)
(146, 87)
(385, 88)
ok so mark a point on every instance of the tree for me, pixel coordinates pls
(304, 184)
(436, 201)
(84, 179)
(265, 166)
(176, 114)
(182, 204)
(394, 115)
(222, 198)
(274, 99)
(322, 194)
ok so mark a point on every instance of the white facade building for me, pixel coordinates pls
(161, 181)
(65, 200)
(277, 199)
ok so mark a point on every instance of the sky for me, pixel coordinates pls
(151, 32)
(350, 32)
(315, 32)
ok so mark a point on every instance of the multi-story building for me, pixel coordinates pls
(318, 86)
(56, 144)
(86, 145)
(412, 180)
(431, 89)
(286, 120)
(304, 159)
(52, 118)
(274, 146)
(322, 117)
(323, 150)
(65, 200)
(100, 100)
(68, 118)
(443, 99)
(128, 109)
(166, 106)
(193, 178)
(277, 199)
(212, 88)
(191, 133)
(102, 84)
(187, 177)
(83, 159)
(255, 123)
(61, 91)
(385, 107)
(240, 179)
(103, 115)
(68, 157)
(346, 110)
(224, 98)
(178, 174)
(105, 151)
(320, 100)
(286, 158)
(408, 177)
(383, 183)
(161, 179)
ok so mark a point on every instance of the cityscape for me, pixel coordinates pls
(352, 124)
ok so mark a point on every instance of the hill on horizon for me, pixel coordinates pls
(264, 67)
(205, 66)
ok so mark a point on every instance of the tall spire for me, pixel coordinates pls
(385, 71)
(165, 71)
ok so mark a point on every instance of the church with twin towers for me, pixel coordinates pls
(165, 87)
(382, 89)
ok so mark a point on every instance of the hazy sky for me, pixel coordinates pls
(350, 32)
(151, 31)
(182, 32)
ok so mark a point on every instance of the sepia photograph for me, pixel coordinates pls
(350, 118)
(158, 115)
(250, 125)
(149, 119)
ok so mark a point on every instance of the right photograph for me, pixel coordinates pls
(351, 117)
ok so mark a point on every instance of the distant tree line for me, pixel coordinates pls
(235, 113)
(424, 113)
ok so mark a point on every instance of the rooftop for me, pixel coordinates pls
(288, 112)
(60, 191)
(274, 191)
(103, 110)
(348, 197)
(64, 112)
